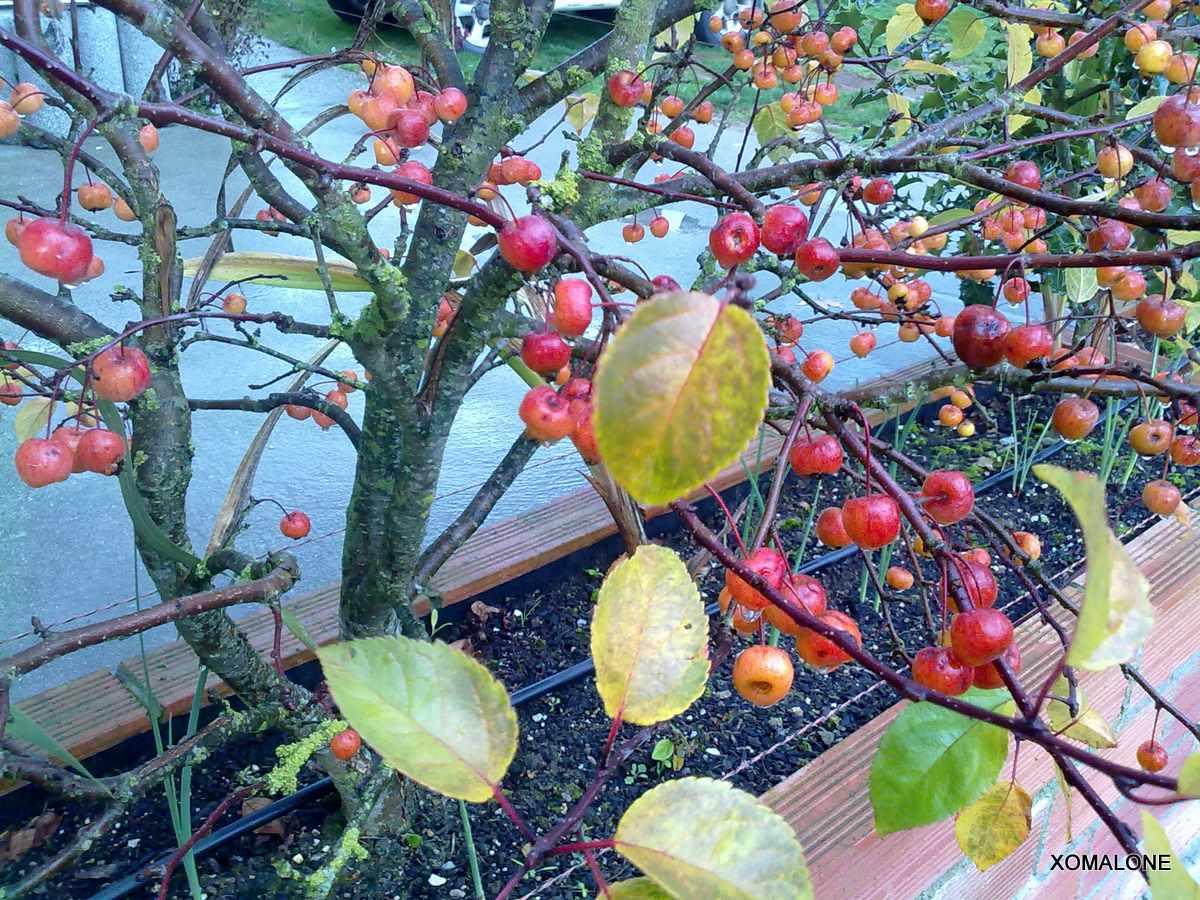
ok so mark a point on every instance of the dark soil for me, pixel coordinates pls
(541, 625)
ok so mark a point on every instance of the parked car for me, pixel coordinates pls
(474, 17)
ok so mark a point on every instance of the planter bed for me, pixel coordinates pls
(537, 625)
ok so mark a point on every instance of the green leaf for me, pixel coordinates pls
(898, 104)
(1175, 236)
(649, 638)
(1189, 776)
(949, 215)
(149, 532)
(932, 68)
(299, 272)
(967, 30)
(995, 825)
(1116, 615)
(32, 418)
(1081, 284)
(296, 627)
(680, 393)
(901, 26)
(635, 889)
(22, 728)
(1169, 882)
(581, 109)
(664, 749)
(698, 837)
(932, 762)
(432, 712)
(1149, 105)
(1020, 53)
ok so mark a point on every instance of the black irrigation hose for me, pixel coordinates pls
(540, 688)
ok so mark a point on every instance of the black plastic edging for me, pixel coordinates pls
(537, 689)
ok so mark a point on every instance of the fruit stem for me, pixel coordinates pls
(64, 204)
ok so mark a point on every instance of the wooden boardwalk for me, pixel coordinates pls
(97, 711)
(828, 804)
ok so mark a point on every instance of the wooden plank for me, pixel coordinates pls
(88, 714)
(828, 803)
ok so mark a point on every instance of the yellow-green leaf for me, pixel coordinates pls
(1189, 776)
(1088, 726)
(967, 30)
(1166, 882)
(932, 68)
(950, 215)
(31, 418)
(298, 272)
(1066, 792)
(1020, 53)
(1116, 614)
(1081, 284)
(770, 123)
(898, 104)
(1017, 121)
(432, 712)
(464, 263)
(901, 26)
(698, 837)
(635, 889)
(1147, 106)
(680, 393)
(649, 638)
(995, 825)
(1175, 236)
(581, 109)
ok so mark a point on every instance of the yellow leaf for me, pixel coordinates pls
(992, 827)
(1175, 236)
(898, 104)
(698, 837)
(581, 109)
(1189, 776)
(1171, 882)
(297, 271)
(1116, 614)
(1020, 54)
(649, 638)
(1017, 121)
(924, 65)
(1183, 514)
(901, 26)
(635, 889)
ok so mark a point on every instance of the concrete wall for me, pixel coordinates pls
(111, 52)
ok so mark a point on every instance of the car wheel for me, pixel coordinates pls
(350, 11)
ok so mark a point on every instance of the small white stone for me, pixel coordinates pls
(133, 842)
(298, 858)
(712, 751)
(436, 880)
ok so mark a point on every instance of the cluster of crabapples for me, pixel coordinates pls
(400, 114)
(118, 374)
(338, 396)
(58, 248)
(977, 637)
